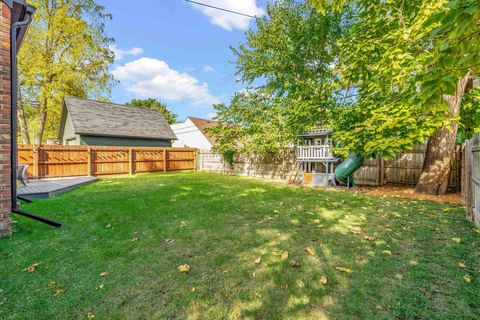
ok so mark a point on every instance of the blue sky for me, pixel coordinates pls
(177, 52)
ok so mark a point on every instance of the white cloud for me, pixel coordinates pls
(208, 69)
(228, 20)
(120, 53)
(212, 115)
(153, 78)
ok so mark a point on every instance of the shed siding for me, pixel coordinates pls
(124, 142)
(69, 136)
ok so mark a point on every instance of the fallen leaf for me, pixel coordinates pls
(33, 267)
(185, 268)
(283, 255)
(461, 265)
(276, 211)
(323, 280)
(193, 290)
(5, 254)
(100, 286)
(108, 226)
(387, 252)
(369, 238)
(104, 274)
(457, 240)
(90, 315)
(309, 251)
(295, 264)
(183, 223)
(258, 260)
(342, 269)
(467, 278)
(58, 291)
(169, 240)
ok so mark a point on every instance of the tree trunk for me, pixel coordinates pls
(41, 121)
(22, 120)
(441, 147)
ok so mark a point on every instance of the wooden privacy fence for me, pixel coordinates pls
(67, 161)
(405, 168)
(471, 182)
(272, 166)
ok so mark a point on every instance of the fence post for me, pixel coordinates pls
(458, 164)
(381, 171)
(130, 161)
(195, 157)
(468, 180)
(164, 160)
(89, 160)
(35, 162)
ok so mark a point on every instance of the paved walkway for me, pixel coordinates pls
(45, 188)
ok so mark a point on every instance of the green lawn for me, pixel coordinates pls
(221, 226)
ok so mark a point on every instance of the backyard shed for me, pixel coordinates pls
(98, 123)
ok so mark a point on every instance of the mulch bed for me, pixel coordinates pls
(408, 192)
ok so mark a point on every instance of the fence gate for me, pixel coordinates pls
(472, 179)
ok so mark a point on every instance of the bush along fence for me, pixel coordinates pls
(66, 161)
(404, 169)
(471, 179)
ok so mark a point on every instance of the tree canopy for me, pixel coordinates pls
(400, 59)
(154, 104)
(288, 63)
(66, 52)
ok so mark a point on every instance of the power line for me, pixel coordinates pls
(222, 9)
(198, 92)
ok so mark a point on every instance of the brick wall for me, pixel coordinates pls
(5, 109)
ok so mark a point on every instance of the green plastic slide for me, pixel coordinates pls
(344, 172)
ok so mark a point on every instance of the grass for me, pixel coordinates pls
(119, 225)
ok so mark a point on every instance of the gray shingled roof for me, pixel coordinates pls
(97, 118)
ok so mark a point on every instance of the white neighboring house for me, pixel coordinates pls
(191, 133)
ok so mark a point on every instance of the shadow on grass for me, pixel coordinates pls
(400, 252)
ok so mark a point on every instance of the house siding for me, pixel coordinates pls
(124, 142)
(5, 121)
(190, 136)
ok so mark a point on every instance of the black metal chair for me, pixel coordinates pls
(22, 174)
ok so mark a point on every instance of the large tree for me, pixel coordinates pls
(408, 64)
(288, 63)
(154, 104)
(65, 53)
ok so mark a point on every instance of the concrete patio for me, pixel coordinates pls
(46, 188)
